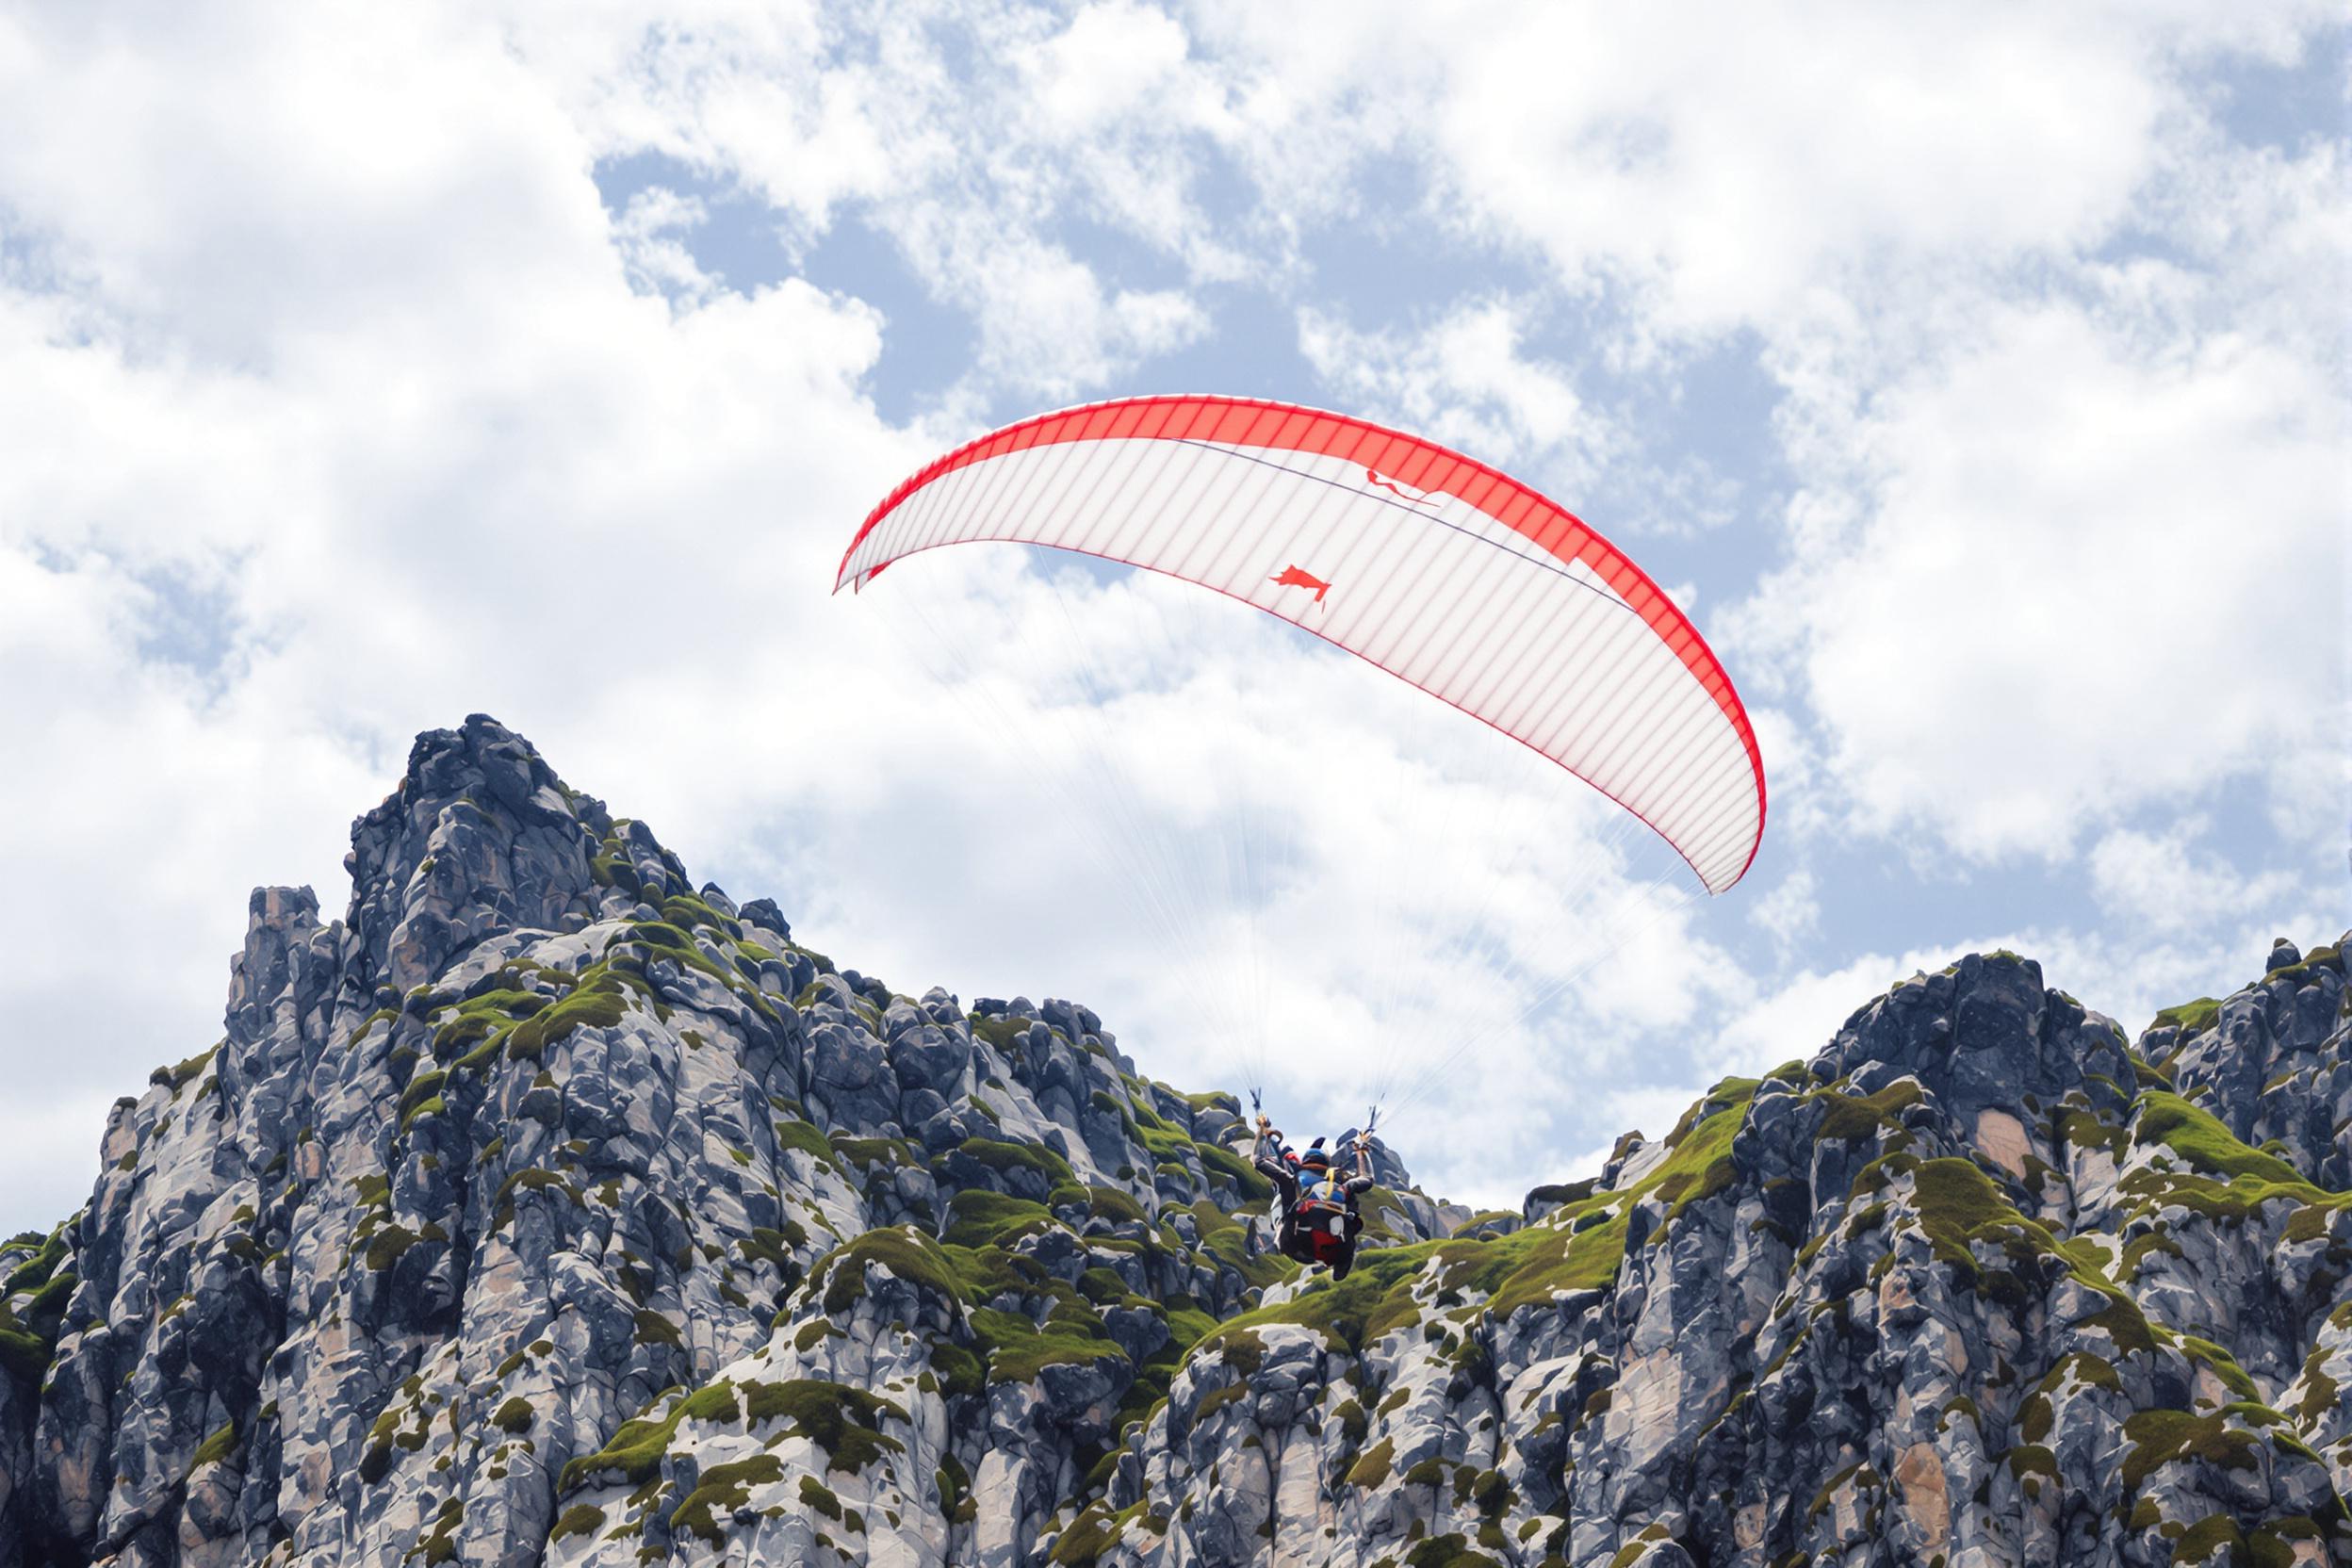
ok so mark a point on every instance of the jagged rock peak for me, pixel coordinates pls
(1989, 1040)
(540, 1135)
(480, 837)
(279, 924)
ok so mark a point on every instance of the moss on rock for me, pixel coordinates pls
(842, 1420)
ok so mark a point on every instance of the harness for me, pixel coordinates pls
(1323, 1207)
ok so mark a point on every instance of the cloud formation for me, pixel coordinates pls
(340, 403)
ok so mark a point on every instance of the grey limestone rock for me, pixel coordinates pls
(551, 1207)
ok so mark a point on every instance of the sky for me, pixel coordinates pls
(1973, 375)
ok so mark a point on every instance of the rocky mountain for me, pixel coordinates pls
(548, 1210)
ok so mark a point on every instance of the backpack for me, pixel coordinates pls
(1323, 1205)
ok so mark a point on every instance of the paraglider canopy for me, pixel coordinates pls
(1448, 574)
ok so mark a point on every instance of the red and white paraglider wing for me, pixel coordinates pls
(1438, 569)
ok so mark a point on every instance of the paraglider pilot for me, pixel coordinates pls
(1320, 1220)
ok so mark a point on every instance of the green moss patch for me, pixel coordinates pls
(839, 1278)
(1018, 1347)
(955, 1484)
(2162, 1437)
(422, 1095)
(479, 1018)
(2189, 1018)
(26, 1356)
(1957, 1203)
(36, 1270)
(863, 1153)
(1375, 1298)
(796, 1133)
(1112, 1204)
(1004, 1158)
(179, 1077)
(720, 1491)
(1854, 1117)
(1371, 1470)
(959, 1371)
(2205, 1143)
(842, 1421)
(219, 1445)
(598, 1002)
(580, 1519)
(2222, 1365)
(2216, 1533)
(636, 1450)
(1254, 1188)
(1001, 1032)
(1095, 1530)
(977, 1218)
(523, 1024)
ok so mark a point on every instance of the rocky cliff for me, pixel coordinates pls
(545, 1209)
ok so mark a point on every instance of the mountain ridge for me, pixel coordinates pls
(548, 1207)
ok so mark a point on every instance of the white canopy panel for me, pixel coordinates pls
(1438, 569)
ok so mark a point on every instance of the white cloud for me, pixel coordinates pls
(611, 518)
(660, 261)
(1113, 60)
(323, 350)
(1048, 325)
(2128, 978)
(1725, 169)
(1800, 1014)
(788, 99)
(283, 178)
(2079, 576)
(2169, 883)
(970, 137)
(1790, 911)
(1464, 379)
(53, 1144)
(403, 504)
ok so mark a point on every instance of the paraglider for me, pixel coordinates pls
(1319, 1221)
(1475, 588)
(1458, 580)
